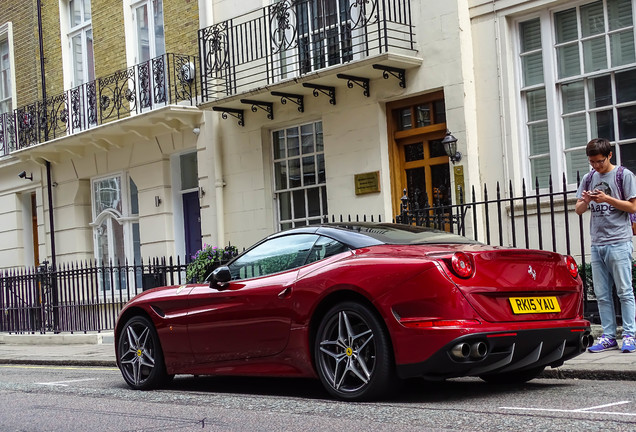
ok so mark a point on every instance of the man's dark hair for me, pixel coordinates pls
(598, 146)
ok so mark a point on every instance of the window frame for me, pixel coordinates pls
(6, 35)
(558, 151)
(82, 30)
(319, 157)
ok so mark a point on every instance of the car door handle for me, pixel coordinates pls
(285, 293)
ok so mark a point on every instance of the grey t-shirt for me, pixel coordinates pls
(607, 224)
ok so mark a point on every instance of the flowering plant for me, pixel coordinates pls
(207, 259)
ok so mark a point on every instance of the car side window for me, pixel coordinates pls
(274, 256)
(324, 248)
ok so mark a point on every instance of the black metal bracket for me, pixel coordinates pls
(236, 113)
(297, 99)
(362, 82)
(268, 107)
(326, 90)
(393, 71)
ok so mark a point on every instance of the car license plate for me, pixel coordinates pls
(526, 305)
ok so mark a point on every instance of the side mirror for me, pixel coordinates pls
(221, 278)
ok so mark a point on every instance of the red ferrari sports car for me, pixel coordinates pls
(361, 305)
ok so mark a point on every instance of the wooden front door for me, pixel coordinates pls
(418, 160)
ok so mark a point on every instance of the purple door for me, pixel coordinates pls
(192, 222)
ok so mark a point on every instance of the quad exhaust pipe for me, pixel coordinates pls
(474, 351)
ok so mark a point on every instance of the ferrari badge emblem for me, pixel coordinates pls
(532, 273)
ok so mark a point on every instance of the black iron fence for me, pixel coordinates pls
(164, 80)
(291, 38)
(79, 297)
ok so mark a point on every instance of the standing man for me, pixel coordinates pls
(611, 233)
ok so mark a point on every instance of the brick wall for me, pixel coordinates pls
(23, 16)
(181, 23)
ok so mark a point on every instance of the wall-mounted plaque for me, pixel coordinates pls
(367, 182)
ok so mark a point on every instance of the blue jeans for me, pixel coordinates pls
(613, 263)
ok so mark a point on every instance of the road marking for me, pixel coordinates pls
(66, 383)
(578, 410)
(60, 367)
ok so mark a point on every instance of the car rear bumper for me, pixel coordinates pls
(501, 352)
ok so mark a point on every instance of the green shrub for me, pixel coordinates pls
(207, 259)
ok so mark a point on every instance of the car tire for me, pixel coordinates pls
(519, 377)
(353, 354)
(140, 357)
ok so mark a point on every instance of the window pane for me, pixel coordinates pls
(574, 128)
(313, 201)
(626, 123)
(143, 34)
(75, 12)
(439, 111)
(78, 59)
(307, 135)
(537, 105)
(279, 144)
(158, 24)
(423, 115)
(90, 58)
(530, 35)
(309, 171)
(134, 198)
(626, 86)
(539, 142)
(619, 13)
(320, 162)
(568, 59)
(628, 156)
(540, 169)
(602, 124)
(189, 171)
(107, 195)
(600, 91)
(566, 26)
(576, 161)
(413, 152)
(592, 19)
(594, 54)
(292, 142)
(273, 256)
(405, 119)
(294, 173)
(622, 48)
(319, 143)
(280, 175)
(532, 69)
(573, 97)
(284, 206)
(299, 204)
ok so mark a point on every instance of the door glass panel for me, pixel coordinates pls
(436, 148)
(423, 115)
(416, 187)
(189, 171)
(440, 176)
(413, 152)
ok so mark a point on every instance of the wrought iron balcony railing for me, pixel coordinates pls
(292, 38)
(164, 80)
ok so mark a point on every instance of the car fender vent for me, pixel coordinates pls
(158, 311)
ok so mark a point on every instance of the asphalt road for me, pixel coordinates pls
(55, 398)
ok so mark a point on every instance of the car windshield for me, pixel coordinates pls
(388, 233)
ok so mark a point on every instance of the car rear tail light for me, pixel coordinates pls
(462, 264)
(427, 323)
(572, 266)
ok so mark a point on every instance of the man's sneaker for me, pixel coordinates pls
(628, 344)
(605, 343)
